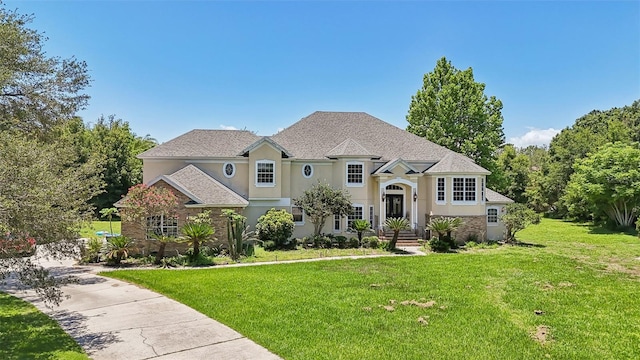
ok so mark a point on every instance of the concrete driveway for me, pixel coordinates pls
(112, 319)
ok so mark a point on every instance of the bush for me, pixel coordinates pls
(439, 244)
(383, 244)
(341, 242)
(321, 241)
(213, 250)
(371, 242)
(276, 226)
(93, 250)
(353, 243)
(472, 238)
(269, 245)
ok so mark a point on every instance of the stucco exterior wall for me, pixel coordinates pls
(265, 152)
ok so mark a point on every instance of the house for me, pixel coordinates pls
(388, 172)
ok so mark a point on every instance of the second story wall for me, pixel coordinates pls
(265, 172)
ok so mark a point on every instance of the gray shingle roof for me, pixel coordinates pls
(456, 163)
(262, 140)
(317, 134)
(202, 188)
(495, 197)
(203, 143)
(349, 147)
(392, 163)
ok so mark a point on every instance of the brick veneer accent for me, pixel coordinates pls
(471, 225)
(144, 246)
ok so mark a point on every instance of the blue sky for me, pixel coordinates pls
(169, 67)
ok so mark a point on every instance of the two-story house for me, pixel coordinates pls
(388, 172)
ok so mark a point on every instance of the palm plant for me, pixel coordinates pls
(118, 248)
(196, 233)
(444, 226)
(397, 225)
(109, 213)
(360, 226)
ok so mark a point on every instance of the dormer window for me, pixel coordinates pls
(265, 173)
(229, 169)
(355, 173)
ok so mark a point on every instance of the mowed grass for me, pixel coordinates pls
(89, 229)
(572, 293)
(26, 333)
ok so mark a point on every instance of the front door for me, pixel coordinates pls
(394, 206)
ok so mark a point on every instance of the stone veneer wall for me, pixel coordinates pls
(145, 247)
(471, 225)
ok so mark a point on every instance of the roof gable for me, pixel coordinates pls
(454, 163)
(201, 188)
(203, 144)
(389, 166)
(349, 148)
(260, 142)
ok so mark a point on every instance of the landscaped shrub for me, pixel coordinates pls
(353, 243)
(213, 250)
(276, 226)
(321, 242)
(269, 245)
(371, 242)
(93, 250)
(439, 244)
(341, 242)
(472, 238)
(118, 248)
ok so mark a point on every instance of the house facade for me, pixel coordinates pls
(387, 171)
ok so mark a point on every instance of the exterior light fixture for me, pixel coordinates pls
(384, 196)
(415, 196)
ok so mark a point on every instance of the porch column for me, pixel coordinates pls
(382, 207)
(414, 205)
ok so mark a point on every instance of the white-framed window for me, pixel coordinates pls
(298, 215)
(307, 170)
(464, 190)
(440, 190)
(337, 219)
(357, 213)
(229, 169)
(161, 225)
(355, 173)
(492, 216)
(371, 217)
(265, 173)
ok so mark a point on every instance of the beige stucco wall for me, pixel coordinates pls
(152, 169)
(450, 209)
(265, 152)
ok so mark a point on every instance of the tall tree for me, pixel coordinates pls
(452, 110)
(36, 91)
(44, 192)
(514, 170)
(607, 182)
(322, 201)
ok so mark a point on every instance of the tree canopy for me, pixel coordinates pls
(322, 201)
(452, 110)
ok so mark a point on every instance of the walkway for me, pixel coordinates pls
(112, 319)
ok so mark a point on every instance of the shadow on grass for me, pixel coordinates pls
(603, 230)
(528, 245)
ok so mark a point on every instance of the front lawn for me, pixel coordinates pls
(572, 292)
(89, 229)
(26, 333)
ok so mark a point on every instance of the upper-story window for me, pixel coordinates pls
(229, 169)
(464, 189)
(440, 196)
(307, 170)
(355, 174)
(265, 173)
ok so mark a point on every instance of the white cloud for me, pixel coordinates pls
(534, 137)
(225, 127)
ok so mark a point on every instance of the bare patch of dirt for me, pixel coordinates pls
(542, 334)
(367, 308)
(423, 320)
(418, 303)
(566, 284)
(388, 308)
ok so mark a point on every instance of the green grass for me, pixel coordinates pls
(26, 333)
(584, 280)
(89, 229)
(299, 254)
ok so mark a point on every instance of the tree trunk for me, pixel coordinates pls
(394, 240)
(160, 253)
(196, 249)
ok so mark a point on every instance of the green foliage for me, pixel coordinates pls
(37, 92)
(518, 217)
(360, 226)
(452, 110)
(240, 240)
(606, 182)
(444, 226)
(93, 250)
(371, 241)
(341, 241)
(397, 225)
(197, 230)
(276, 226)
(321, 201)
(109, 213)
(353, 243)
(439, 244)
(118, 248)
(514, 173)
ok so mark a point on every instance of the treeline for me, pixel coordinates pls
(546, 179)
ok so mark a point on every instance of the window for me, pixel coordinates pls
(440, 190)
(355, 173)
(298, 215)
(265, 173)
(371, 217)
(307, 170)
(336, 223)
(482, 196)
(393, 187)
(229, 169)
(357, 213)
(161, 225)
(492, 216)
(464, 189)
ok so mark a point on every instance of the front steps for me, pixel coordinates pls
(405, 238)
